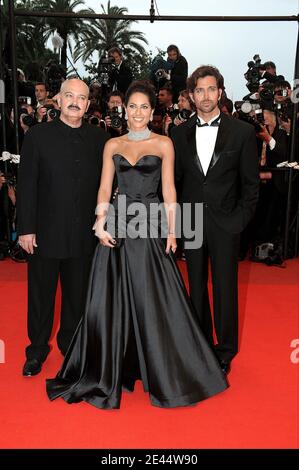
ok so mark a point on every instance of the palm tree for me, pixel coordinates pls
(65, 27)
(102, 34)
(30, 43)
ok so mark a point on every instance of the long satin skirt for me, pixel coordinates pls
(138, 324)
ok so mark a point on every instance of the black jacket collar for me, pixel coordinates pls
(219, 145)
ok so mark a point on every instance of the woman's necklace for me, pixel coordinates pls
(139, 135)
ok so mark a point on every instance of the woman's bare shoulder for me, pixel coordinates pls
(163, 142)
(113, 145)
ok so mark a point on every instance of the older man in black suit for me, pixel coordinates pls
(57, 192)
(217, 165)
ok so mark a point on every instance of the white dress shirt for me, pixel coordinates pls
(205, 142)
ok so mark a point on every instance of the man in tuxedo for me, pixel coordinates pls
(216, 165)
(121, 76)
(58, 181)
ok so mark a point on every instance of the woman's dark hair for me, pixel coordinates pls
(202, 72)
(142, 86)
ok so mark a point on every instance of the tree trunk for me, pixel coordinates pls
(63, 59)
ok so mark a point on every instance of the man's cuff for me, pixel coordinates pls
(272, 143)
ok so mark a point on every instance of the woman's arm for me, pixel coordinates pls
(104, 195)
(168, 190)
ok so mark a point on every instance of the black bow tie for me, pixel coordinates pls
(214, 123)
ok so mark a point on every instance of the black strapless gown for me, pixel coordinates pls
(138, 321)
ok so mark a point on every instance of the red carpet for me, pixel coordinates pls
(259, 410)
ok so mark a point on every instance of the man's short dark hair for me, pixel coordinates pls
(116, 93)
(168, 88)
(283, 84)
(175, 48)
(202, 72)
(228, 104)
(44, 84)
(115, 49)
(269, 64)
(94, 108)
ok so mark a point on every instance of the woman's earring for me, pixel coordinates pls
(152, 117)
(126, 116)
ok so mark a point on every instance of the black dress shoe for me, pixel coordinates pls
(225, 367)
(32, 367)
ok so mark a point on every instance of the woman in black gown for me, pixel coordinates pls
(138, 322)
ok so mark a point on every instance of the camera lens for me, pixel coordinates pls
(94, 120)
(115, 122)
(27, 120)
(53, 113)
(184, 114)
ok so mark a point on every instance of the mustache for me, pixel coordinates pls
(73, 106)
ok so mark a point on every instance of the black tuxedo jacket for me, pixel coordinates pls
(229, 190)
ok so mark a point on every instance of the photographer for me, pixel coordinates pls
(165, 99)
(26, 116)
(226, 106)
(95, 93)
(185, 108)
(94, 116)
(54, 76)
(268, 223)
(120, 76)
(284, 105)
(48, 111)
(159, 72)
(115, 122)
(41, 93)
(178, 70)
(270, 68)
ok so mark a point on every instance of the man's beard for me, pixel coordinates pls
(208, 109)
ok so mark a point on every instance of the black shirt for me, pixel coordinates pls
(58, 181)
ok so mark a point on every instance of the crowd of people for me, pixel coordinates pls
(174, 106)
(175, 139)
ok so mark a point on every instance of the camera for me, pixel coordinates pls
(284, 110)
(95, 121)
(184, 114)
(106, 67)
(115, 115)
(250, 111)
(159, 69)
(24, 100)
(283, 92)
(261, 96)
(161, 73)
(26, 118)
(253, 74)
(52, 112)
